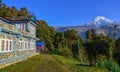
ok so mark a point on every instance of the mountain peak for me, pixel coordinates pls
(102, 21)
(101, 18)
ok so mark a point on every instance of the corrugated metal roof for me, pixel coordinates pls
(40, 43)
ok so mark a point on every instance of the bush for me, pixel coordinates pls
(116, 57)
(56, 51)
(110, 65)
(66, 52)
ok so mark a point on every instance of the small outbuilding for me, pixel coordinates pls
(40, 46)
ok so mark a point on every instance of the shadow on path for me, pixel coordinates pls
(83, 65)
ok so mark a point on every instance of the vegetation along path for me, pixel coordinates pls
(51, 63)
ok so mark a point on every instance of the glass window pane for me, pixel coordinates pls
(10, 45)
(2, 47)
(6, 45)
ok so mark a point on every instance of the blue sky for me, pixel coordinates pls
(69, 12)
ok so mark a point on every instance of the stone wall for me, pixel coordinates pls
(15, 55)
(14, 60)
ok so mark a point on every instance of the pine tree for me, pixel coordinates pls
(114, 36)
(0, 3)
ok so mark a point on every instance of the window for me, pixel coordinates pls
(24, 27)
(6, 44)
(23, 45)
(26, 45)
(32, 29)
(21, 26)
(2, 46)
(18, 26)
(32, 45)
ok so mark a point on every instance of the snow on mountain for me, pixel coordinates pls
(99, 18)
(100, 24)
(101, 21)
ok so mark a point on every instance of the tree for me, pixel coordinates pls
(97, 46)
(116, 54)
(115, 26)
(88, 36)
(77, 51)
(46, 33)
(1, 3)
(23, 13)
(59, 40)
(70, 37)
(7, 12)
(14, 11)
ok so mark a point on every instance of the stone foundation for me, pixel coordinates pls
(9, 59)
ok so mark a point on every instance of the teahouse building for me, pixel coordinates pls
(17, 40)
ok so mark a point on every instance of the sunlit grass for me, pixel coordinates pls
(66, 60)
(50, 63)
(38, 63)
(29, 65)
(76, 66)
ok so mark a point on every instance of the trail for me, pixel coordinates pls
(50, 64)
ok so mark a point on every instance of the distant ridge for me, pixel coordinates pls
(100, 23)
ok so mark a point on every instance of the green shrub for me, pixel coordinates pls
(66, 52)
(109, 64)
(56, 51)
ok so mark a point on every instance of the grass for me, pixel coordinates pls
(38, 63)
(30, 65)
(76, 66)
(51, 63)
(110, 64)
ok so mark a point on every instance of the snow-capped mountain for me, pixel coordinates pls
(100, 24)
(99, 21)
(101, 18)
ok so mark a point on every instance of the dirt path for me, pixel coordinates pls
(50, 64)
